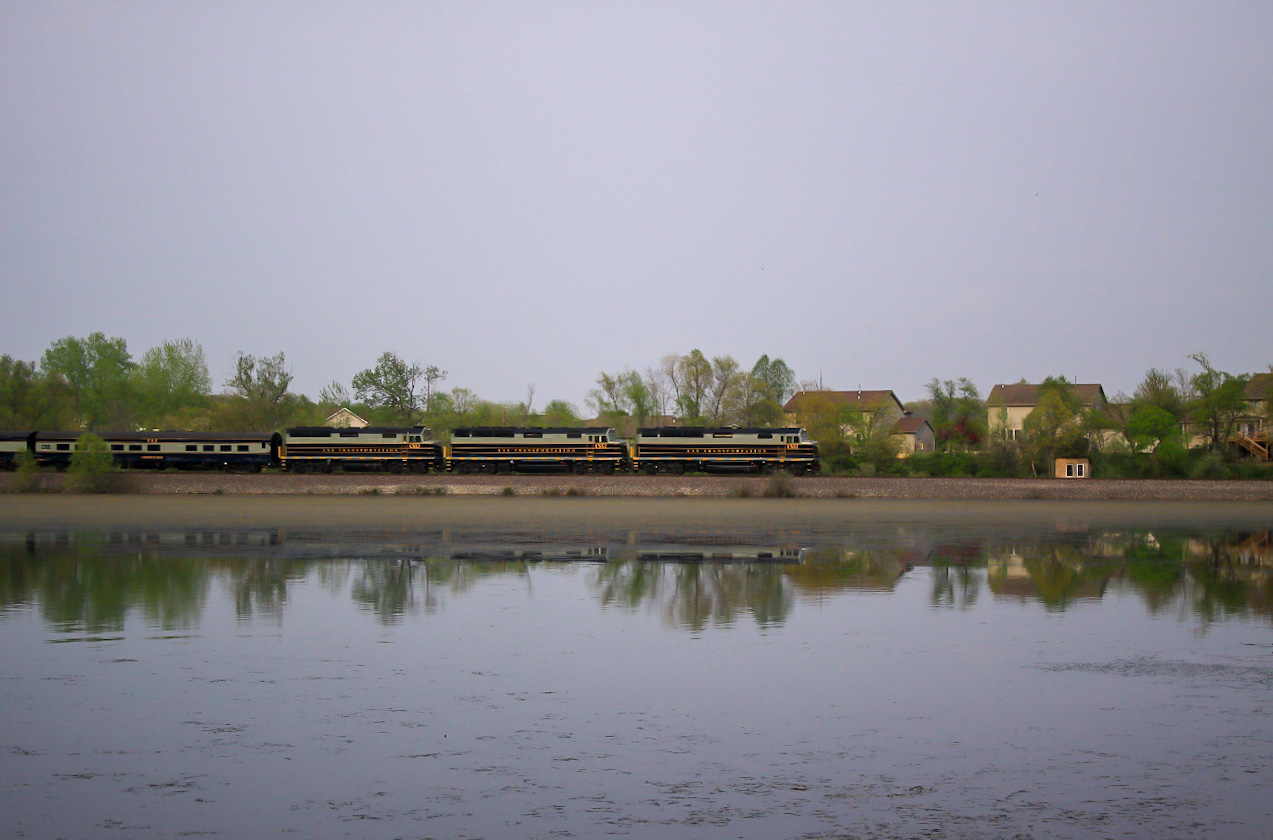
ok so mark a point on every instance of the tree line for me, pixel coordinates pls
(94, 383)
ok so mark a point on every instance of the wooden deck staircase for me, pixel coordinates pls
(1257, 444)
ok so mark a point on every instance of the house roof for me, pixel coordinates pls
(865, 400)
(1023, 394)
(910, 425)
(343, 412)
(1259, 386)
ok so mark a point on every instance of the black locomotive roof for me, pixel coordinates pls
(701, 431)
(322, 431)
(165, 435)
(512, 431)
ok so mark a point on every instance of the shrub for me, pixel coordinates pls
(1209, 466)
(92, 467)
(778, 486)
(27, 479)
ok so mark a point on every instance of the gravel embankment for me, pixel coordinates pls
(191, 483)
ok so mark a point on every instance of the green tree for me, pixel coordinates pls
(1055, 426)
(694, 378)
(764, 392)
(1219, 399)
(391, 387)
(561, 413)
(170, 380)
(1159, 389)
(725, 390)
(958, 414)
(24, 401)
(95, 372)
(640, 400)
(1152, 428)
(92, 465)
(259, 387)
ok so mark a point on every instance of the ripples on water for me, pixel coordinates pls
(888, 680)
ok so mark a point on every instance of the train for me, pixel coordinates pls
(492, 450)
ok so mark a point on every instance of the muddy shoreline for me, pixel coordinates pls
(197, 483)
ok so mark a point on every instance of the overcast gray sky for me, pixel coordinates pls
(522, 193)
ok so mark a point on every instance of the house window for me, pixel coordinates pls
(1069, 470)
(1078, 470)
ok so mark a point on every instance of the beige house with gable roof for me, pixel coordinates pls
(913, 434)
(1008, 406)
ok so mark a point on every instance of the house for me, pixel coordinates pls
(345, 419)
(1251, 433)
(913, 434)
(868, 402)
(1008, 406)
(1073, 468)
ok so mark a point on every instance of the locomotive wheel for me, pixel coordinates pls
(676, 468)
(581, 467)
(607, 468)
(465, 467)
(651, 468)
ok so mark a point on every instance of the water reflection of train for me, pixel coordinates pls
(494, 450)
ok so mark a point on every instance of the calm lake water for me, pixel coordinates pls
(1046, 677)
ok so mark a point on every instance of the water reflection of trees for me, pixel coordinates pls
(696, 595)
(76, 588)
(95, 584)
